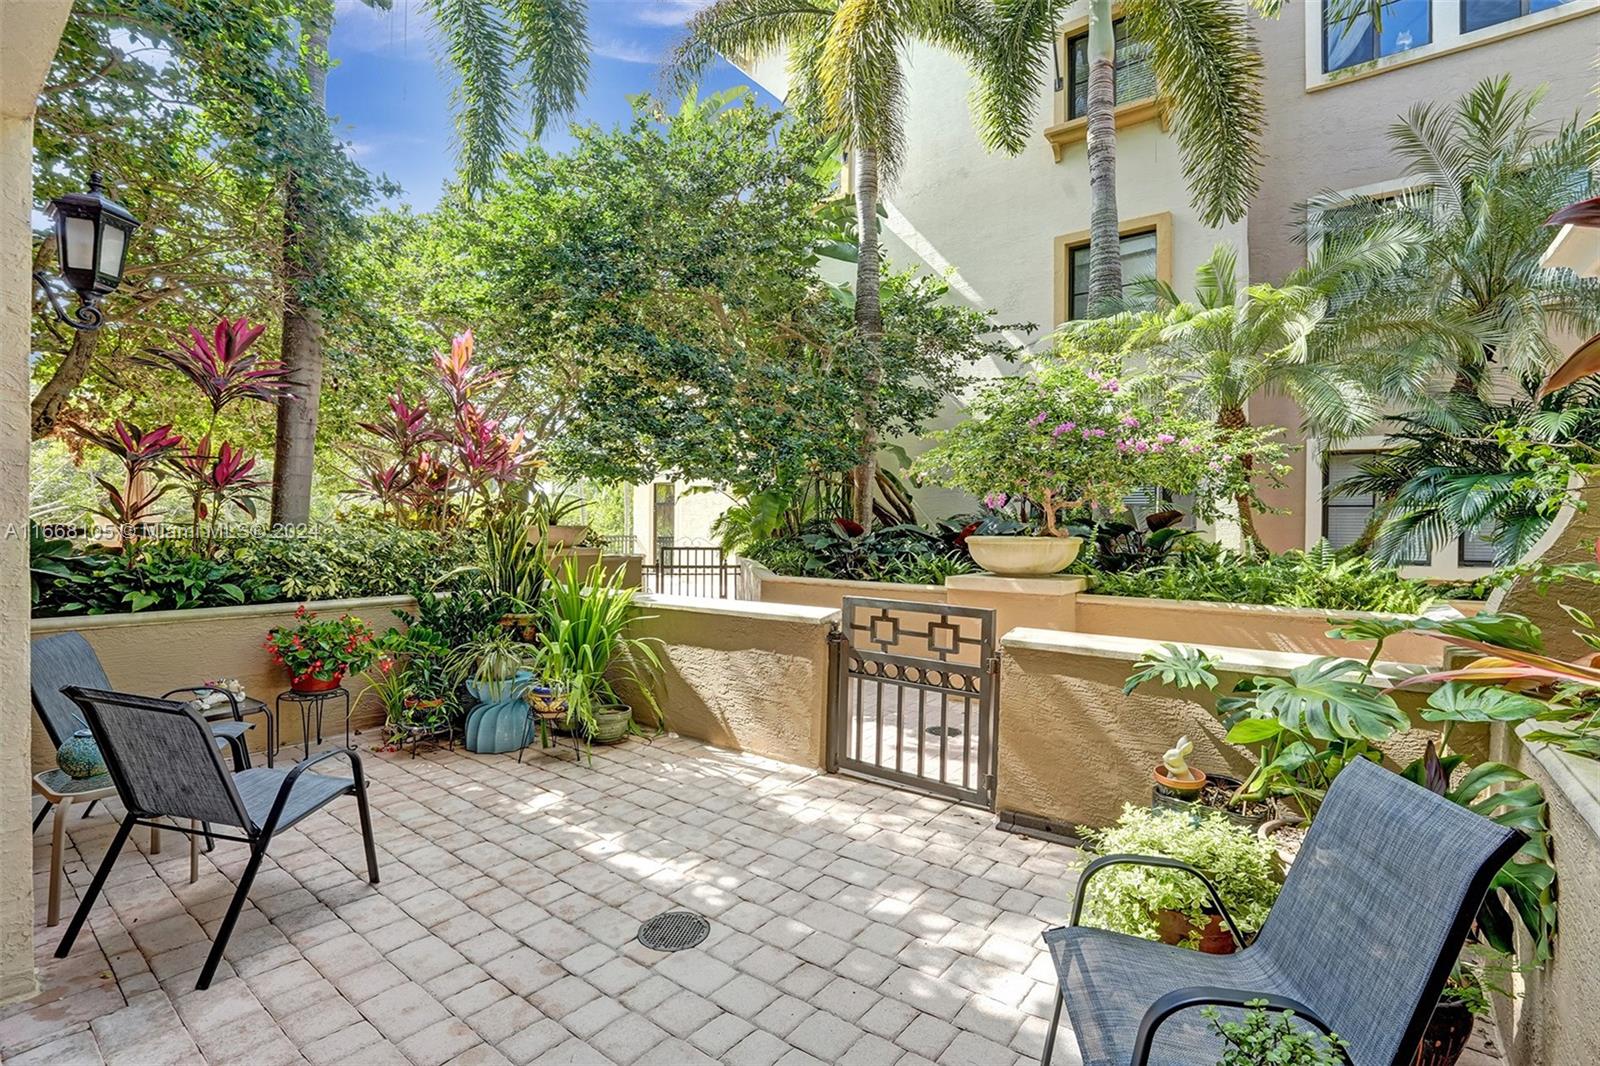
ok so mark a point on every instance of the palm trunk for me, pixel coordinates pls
(295, 448)
(69, 374)
(1105, 240)
(1232, 418)
(869, 330)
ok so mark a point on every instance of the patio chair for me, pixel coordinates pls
(67, 659)
(1360, 942)
(162, 758)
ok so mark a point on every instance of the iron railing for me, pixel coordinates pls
(684, 570)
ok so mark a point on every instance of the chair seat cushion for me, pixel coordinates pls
(259, 787)
(1111, 980)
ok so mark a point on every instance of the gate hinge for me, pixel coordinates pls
(993, 666)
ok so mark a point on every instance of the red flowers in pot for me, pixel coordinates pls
(317, 653)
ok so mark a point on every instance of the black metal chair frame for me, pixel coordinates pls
(258, 839)
(1182, 998)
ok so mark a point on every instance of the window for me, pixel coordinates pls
(1476, 14)
(1345, 517)
(663, 513)
(1138, 261)
(1476, 548)
(1134, 78)
(1351, 37)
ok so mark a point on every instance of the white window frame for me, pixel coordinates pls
(1446, 33)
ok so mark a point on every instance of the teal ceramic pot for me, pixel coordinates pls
(500, 720)
(80, 756)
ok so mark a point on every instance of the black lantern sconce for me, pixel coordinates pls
(92, 234)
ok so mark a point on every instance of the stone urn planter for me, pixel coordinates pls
(1024, 556)
(611, 724)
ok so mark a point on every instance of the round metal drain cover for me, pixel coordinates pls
(942, 731)
(674, 931)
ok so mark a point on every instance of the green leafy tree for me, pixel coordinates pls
(847, 62)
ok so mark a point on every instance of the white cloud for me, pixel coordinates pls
(665, 12)
(625, 51)
(406, 27)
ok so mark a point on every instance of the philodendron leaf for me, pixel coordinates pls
(1254, 730)
(1327, 700)
(1172, 664)
(1460, 702)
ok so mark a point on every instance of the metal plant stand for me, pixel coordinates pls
(311, 706)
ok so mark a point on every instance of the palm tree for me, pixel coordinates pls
(1207, 67)
(1488, 176)
(1231, 342)
(1461, 468)
(532, 55)
(846, 62)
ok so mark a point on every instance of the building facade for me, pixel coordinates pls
(1011, 233)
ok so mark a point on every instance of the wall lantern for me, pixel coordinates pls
(92, 234)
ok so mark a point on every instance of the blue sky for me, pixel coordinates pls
(391, 97)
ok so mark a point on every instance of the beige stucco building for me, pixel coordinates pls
(1005, 229)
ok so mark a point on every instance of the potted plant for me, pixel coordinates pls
(583, 644)
(551, 511)
(1078, 436)
(1175, 778)
(1169, 905)
(495, 665)
(318, 652)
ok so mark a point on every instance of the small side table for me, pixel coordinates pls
(248, 705)
(62, 792)
(311, 704)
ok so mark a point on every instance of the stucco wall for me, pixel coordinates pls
(1570, 539)
(1554, 1021)
(1073, 749)
(154, 652)
(29, 33)
(749, 676)
(1287, 629)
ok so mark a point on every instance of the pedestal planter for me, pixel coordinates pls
(499, 721)
(1024, 556)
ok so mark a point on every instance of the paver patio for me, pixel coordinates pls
(850, 923)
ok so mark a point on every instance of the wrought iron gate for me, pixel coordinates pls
(692, 570)
(914, 697)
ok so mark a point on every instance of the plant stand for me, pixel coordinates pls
(542, 723)
(311, 703)
(416, 734)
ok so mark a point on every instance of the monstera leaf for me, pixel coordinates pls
(1461, 702)
(1505, 630)
(1328, 699)
(1173, 664)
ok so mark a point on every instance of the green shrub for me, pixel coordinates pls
(1271, 1038)
(159, 576)
(903, 554)
(1128, 899)
(1318, 578)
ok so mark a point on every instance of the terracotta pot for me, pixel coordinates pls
(1174, 927)
(1024, 556)
(306, 683)
(1447, 1034)
(1188, 789)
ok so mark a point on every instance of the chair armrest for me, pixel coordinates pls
(284, 790)
(1181, 999)
(233, 701)
(1106, 861)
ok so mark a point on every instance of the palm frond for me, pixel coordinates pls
(552, 38)
(1206, 62)
(479, 50)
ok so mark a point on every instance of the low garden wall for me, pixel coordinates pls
(1073, 749)
(152, 652)
(743, 675)
(1287, 629)
(1553, 1022)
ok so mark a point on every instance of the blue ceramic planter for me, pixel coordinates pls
(80, 756)
(500, 720)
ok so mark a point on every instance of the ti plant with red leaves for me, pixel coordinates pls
(216, 480)
(431, 469)
(141, 452)
(222, 366)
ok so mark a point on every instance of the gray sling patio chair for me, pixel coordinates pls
(1361, 940)
(162, 758)
(67, 659)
